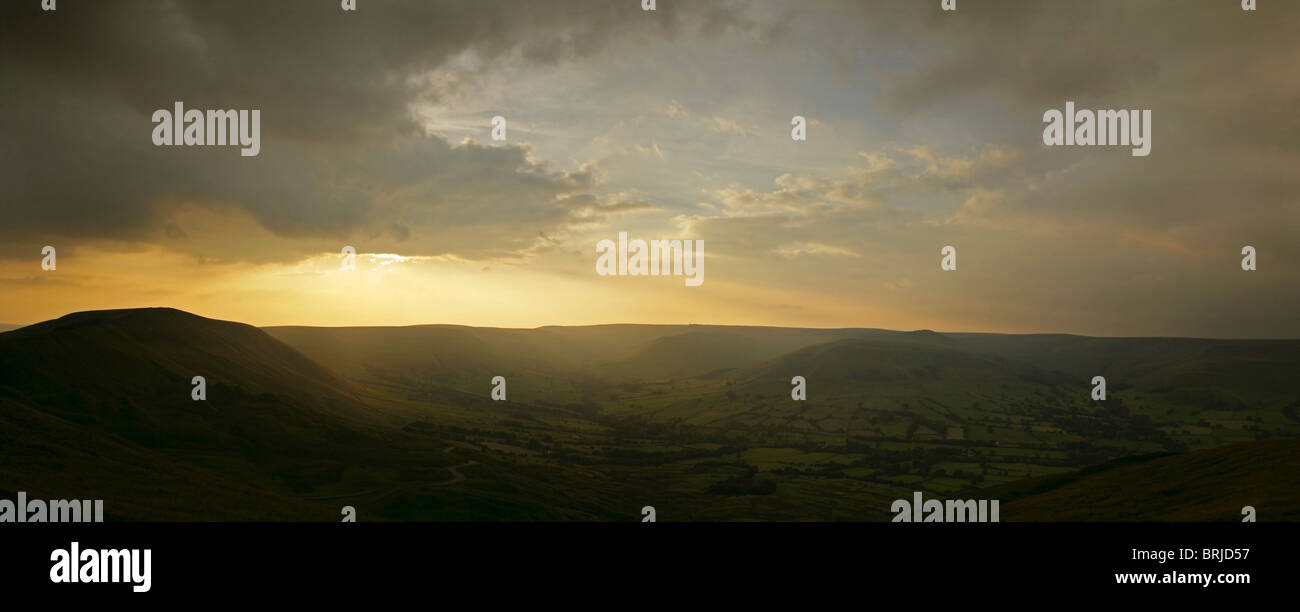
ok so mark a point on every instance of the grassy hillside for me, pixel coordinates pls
(51, 458)
(1203, 485)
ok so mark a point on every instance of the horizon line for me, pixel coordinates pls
(18, 326)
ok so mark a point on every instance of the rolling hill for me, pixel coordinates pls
(98, 404)
(1154, 362)
(1204, 485)
(130, 371)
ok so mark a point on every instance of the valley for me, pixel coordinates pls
(697, 421)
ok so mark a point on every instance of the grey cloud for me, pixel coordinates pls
(340, 152)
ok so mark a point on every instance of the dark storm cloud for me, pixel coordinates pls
(340, 150)
(326, 74)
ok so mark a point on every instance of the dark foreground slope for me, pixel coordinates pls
(51, 458)
(1204, 485)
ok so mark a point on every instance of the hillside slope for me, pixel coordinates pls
(98, 405)
(1204, 485)
(914, 360)
(84, 363)
(128, 373)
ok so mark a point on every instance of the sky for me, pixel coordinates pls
(924, 130)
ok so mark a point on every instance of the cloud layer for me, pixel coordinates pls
(924, 131)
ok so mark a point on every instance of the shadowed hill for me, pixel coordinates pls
(98, 405)
(705, 350)
(107, 343)
(913, 359)
(1204, 485)
(1159, 362)
(130, 371)
(174, 341)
